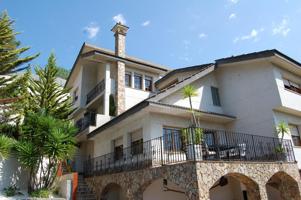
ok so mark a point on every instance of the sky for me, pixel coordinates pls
(174, 33)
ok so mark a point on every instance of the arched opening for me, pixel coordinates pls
(113, 191)
(282, 186)
(234, 186)
(162, 189)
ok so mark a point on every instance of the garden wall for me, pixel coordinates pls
(12, 173)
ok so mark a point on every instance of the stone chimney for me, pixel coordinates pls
(120, 34)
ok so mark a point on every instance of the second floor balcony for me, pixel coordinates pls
(83, 123)
(192, 144)
(96, 91)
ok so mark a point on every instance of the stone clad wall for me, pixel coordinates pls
(210, 172)
(197, 178)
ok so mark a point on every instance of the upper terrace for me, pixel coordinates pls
(192, 144)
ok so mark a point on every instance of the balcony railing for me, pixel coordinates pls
(98, 89)
(193, 144)
(88, 120)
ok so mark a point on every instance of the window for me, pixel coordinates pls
(118, 149)
(137, 142)
(138, 81)
(148, 81)
(172, 139)
(292, 86)
(137, 147)
(295, 135)
(215, 96)
(128, 79)
(75, 95)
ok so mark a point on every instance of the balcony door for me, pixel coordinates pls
(118, 149)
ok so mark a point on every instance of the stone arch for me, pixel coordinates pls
(282, 186)
(235, 185)
(113, 191)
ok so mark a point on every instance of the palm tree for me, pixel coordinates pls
(44, 138)
(188, 92)
(282, 129)
(6, 144)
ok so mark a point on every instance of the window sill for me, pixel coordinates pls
(292, 91)
(138, 89)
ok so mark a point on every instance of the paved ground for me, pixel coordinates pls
(24, 197)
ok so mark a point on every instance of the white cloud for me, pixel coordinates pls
(234, 1)
(253, 35)
(232, 16)
(119, 18)
(92, 30)
(146, 23)
(202, 35)
(282, 28)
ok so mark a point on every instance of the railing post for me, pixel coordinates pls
(161, 150)
(254, 146)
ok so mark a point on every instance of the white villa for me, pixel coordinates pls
(137, 140)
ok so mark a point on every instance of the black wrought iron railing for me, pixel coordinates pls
(99, 88)
(193, 144)
(89, 119)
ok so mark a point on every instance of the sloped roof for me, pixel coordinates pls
(179, 70)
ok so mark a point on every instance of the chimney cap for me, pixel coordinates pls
(120, 29)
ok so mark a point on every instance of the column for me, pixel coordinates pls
(133, 80)
(107, 92)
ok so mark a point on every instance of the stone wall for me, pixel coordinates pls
(196, 179)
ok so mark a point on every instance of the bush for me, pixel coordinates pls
(11, 191)
(41, 193)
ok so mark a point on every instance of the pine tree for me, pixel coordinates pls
(47, 94)
(11, 63)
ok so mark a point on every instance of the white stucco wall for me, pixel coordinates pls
(77, 86)
(233, 190)
(151, 124)
(250, 93)
(155, 191)
(12, 173)
(203, 101)
(289, 99)
(134, 96)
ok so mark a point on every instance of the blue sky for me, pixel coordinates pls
(173, 33)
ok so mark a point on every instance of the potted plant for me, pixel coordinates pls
(281, 129)
(192, 140)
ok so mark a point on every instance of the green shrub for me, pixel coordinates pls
(11, 191)
(41, 193)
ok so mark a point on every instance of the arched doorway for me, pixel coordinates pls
(162, 189)
(113, 191)
(282, 186)
(234, 186)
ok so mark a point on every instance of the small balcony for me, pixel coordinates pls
(193, 144)
(89, 119)
(97, 90)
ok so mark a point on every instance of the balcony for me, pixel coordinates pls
(193, 144)
(97, 90)
(88, 120)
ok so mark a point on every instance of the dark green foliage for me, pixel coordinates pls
(6, 144)
(63, 73)
(40, 193)
(10, 63)
(46, 94)
(44, 138)
(112, 110)
(11, 190)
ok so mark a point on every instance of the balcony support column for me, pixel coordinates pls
(107, 89)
